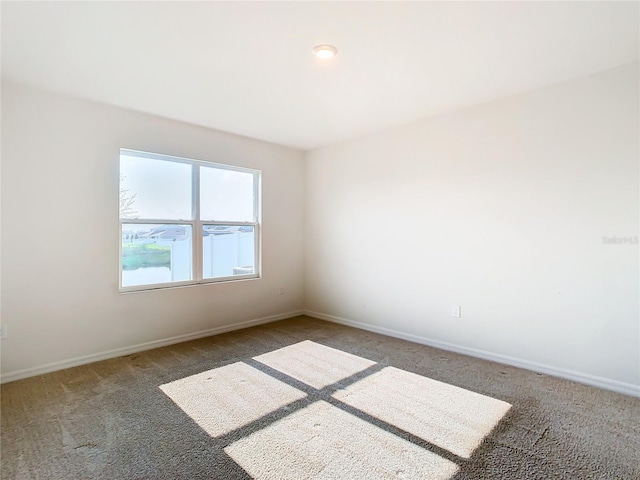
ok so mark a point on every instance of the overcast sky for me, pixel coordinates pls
(163, 190)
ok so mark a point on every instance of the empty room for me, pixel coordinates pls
(320, 240)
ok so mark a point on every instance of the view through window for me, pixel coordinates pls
(185, 221)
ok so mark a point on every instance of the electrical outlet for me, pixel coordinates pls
(3, 331)
(281, 291)
(455, 311)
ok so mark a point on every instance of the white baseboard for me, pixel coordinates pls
(119, 352)
(601, 382)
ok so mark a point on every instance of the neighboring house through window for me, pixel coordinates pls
(185, 222)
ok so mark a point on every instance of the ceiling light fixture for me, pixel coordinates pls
(325, 51)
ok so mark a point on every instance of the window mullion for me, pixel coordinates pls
(152, 221)
(197, 225)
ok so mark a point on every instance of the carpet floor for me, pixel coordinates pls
(304, 399)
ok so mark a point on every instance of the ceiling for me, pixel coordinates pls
(247, 67)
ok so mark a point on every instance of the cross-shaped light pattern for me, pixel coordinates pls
(309, 411)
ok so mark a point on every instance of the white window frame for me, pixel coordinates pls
(197, 224)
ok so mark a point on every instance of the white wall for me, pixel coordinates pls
(501, 209)
(60, 299)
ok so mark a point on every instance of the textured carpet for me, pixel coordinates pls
(304, 399)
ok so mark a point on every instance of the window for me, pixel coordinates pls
(184, 222)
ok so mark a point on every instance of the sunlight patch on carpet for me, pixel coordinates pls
(226, 398)
(314, 364)
(323, 442)
(450, 417)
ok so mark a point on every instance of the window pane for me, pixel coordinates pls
(226, 195)
(227, 250)
(151, 188)
(153, 254)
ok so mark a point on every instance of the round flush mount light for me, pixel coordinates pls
(325, 51)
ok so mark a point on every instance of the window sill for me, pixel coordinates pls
(154, 288)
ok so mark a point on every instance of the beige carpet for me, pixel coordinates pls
(449, 417)
(320, 440)
(305, 399)
(226, 398)
(324, 442)
(314, 364)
